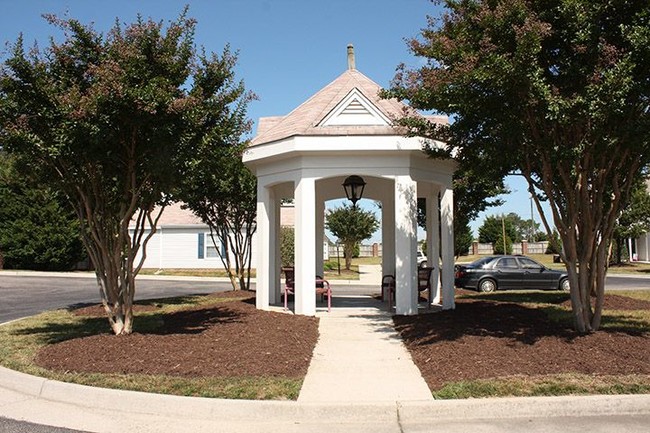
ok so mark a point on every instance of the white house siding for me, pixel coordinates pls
(643, 248)
(178, 248)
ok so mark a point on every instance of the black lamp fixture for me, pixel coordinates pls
(354, 186)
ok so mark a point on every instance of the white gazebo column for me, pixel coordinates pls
(433, 241)
(276, 265)
(388, 235)
(305, 246)
(447, 229)
(320, 235)
(406, 292)
(267, 251)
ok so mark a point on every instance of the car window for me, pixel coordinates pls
(507, 263)
(527, 263)
(480, 263)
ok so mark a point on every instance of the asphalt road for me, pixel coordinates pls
(22, 296)
(12, 426)
(624, 282)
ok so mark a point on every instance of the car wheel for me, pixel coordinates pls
(423, 264)
(564, 285)
(487, 285)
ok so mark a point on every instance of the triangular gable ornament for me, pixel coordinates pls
(355, 109)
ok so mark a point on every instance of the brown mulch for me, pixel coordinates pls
(230, 339)
(617, 302)
(487, 339)
(479, 339)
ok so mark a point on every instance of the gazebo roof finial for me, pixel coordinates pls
(351, 64)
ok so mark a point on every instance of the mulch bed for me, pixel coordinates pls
(487, 339)
(230, 339)
(480, 339)
(617, 302)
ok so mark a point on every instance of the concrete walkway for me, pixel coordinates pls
(360, 357)
(370, 275)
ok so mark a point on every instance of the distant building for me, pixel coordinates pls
(182, 241)
(640, 248)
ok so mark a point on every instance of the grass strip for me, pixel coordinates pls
(553, 385)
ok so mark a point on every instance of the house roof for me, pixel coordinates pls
(175, 216)
(349, 105)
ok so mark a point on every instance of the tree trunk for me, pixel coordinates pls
(586, 225)
(348, 251)
(112, 247)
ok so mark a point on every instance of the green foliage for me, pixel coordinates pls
(492, 229)
(287, 245)
(635, 216)
(554, 90)
(633, 221)
(351, 225)
(474, 192)
(465, 209)
(554, 244)
(463, 238)
(525, 229)
(37, 230)
(540, 237)
(115, 122)
(499, 246)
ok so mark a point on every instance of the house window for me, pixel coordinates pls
(211, 250)
(207, 249)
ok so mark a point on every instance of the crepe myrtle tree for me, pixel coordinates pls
(113, 120)
(556, 91)
(222, 191)
(351, 225)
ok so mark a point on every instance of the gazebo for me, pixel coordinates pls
(345, 130)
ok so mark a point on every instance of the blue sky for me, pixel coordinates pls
(288, 49)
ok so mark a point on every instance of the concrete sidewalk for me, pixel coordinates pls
(360, 357)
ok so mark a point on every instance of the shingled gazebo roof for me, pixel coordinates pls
(338, 109)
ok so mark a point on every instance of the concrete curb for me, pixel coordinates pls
(254, 411)
(527, 407)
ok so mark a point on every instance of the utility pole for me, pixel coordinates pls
(503, 229)
(532, 222)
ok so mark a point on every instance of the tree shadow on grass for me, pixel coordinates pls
(56, 332)
(194, 321)
(509, 321)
